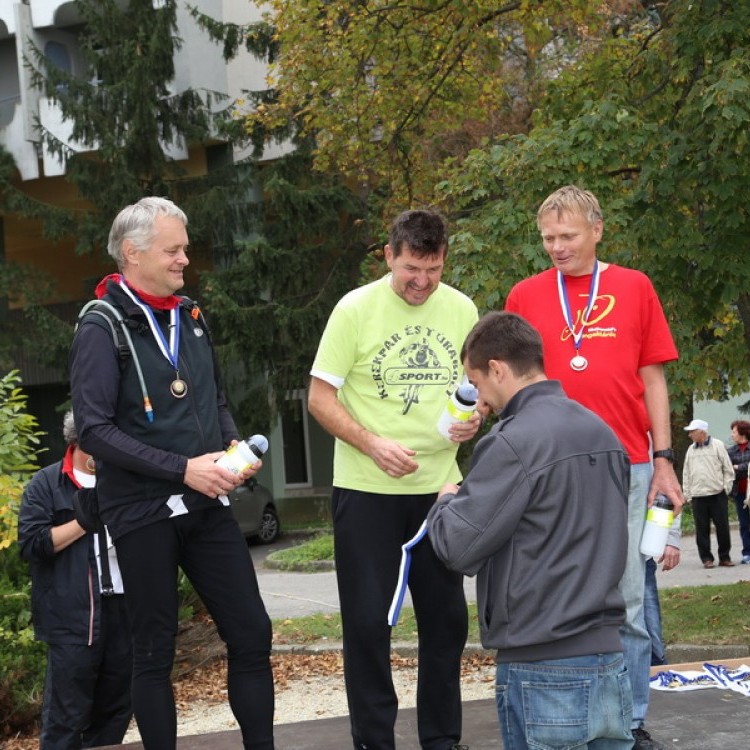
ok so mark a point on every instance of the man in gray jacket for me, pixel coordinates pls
(541, 520)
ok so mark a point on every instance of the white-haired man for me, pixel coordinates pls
(156, 420)
(707, 479)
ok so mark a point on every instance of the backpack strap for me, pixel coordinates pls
(122, 340)
(113, 317)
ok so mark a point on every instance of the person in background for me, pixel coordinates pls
(651, 606)
(739, 455)
(157, 421)
(652, 615)
(707, 479)
(532, 519)
(606, 339)
(78, 608)
(385, 367)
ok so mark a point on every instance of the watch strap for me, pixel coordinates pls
(667, 453)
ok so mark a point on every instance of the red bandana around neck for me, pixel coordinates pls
(67, 466)
(157, 303)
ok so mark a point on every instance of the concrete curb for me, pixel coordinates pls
(314, 566)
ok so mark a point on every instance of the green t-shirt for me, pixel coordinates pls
(398, 364)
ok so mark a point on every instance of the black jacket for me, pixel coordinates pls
(64, 586)
(740, 460)
(140, 464)
(542, 519)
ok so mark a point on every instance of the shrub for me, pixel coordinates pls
(19, 440)
(22, 659)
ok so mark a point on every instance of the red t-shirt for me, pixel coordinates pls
(626, 330)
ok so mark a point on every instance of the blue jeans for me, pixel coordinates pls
(652, 614)
(743, 516)
(636, 642)
(583, 701)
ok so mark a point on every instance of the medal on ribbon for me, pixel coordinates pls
(578, 362)
(170, 349)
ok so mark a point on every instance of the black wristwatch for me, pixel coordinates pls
(667, 453)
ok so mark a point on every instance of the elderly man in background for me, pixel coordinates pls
(707, 478)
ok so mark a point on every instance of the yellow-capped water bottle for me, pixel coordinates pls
(658, 523)
(460, 407)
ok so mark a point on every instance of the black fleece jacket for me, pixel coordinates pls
(140, 464)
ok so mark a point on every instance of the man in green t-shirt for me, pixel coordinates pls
(386, 365)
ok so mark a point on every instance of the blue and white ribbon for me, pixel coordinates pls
(403, 574)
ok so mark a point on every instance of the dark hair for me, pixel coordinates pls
(507, 337)
(743, 427)
(424, 232)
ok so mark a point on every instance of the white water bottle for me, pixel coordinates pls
(658, 523)
(245, 455)
(460, 407)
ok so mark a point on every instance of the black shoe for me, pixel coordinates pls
(643, 741)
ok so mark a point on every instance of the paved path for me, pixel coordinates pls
(299, 594)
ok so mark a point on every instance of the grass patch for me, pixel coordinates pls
(327, 627)
(305, 556)
(706, 614)
(698, 615)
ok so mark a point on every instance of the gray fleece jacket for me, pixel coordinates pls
(541, 520)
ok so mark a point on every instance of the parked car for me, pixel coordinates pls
(255, 511)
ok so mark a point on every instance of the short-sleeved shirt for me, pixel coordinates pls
(626, 330)
(395, 366)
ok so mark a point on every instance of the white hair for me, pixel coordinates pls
(136, 224)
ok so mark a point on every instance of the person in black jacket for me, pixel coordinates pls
(540, 519)
(739, 455)
(78, 609)
(156, 420)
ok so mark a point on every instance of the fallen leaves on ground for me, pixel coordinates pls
(200, 672)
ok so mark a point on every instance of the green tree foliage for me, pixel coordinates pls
(43, 334)
(655, 122)
(300, 251)
(389, 90)
(269, 306)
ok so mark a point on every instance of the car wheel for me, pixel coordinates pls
(269, 526)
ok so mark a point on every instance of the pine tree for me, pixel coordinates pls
(124, 113)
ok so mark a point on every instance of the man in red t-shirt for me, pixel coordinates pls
(607, 340)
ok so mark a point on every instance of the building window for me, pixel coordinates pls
(58, 55)
(296, 446)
